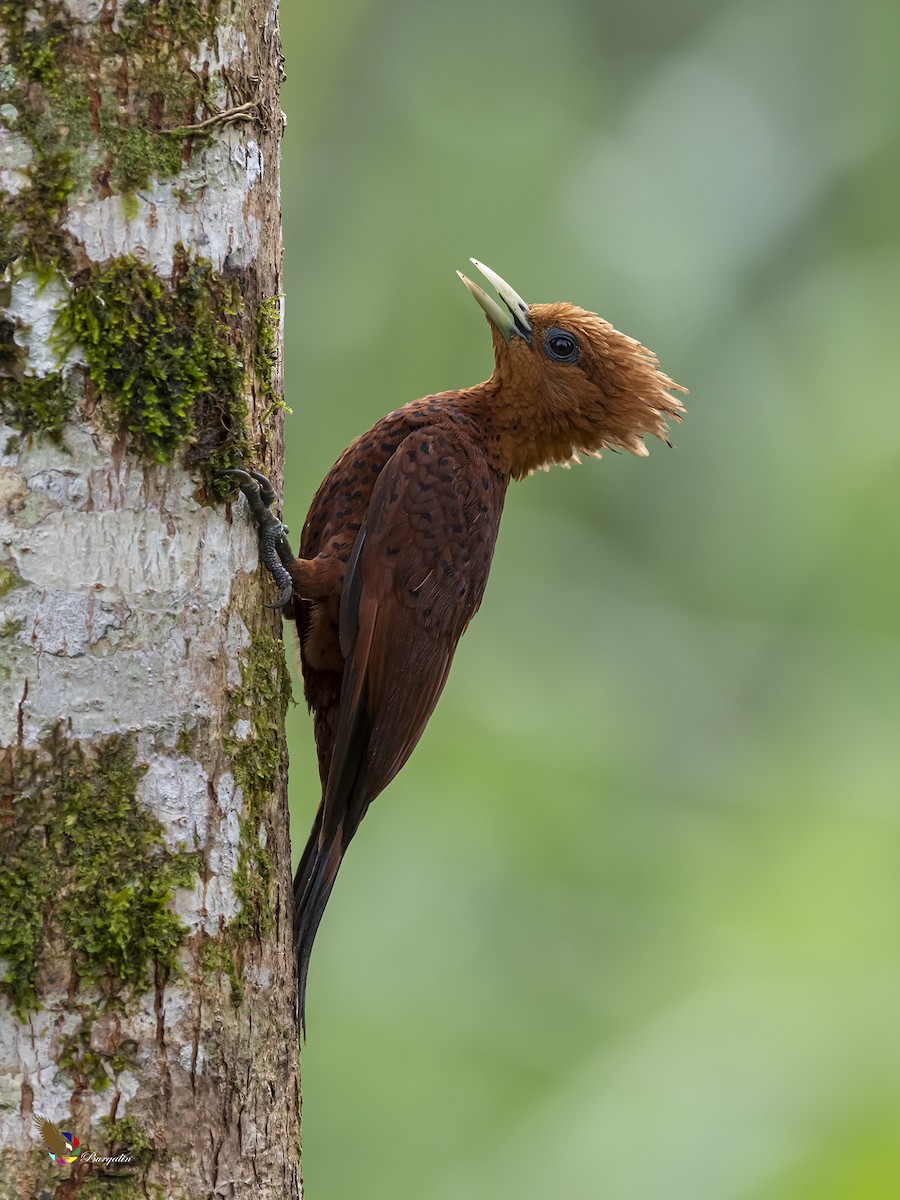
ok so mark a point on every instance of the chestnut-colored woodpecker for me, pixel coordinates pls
(397, 546)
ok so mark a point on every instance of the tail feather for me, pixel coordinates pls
(306, 865)
(344, 803)
(312, 886)
(343, 806)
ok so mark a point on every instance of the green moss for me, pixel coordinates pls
(164, 361)
(218, 957)
(101, 1187)
(81, 849)
(265, 352)
(37, 405)
(53, 116)
(184, 21)
(117, 915)
(138, 152)
(33, 404)
(127, 1136)
(129, 1187)
(87, 1066)
(130, 205)
(186, 741)
(27, 884)
(9, 580)
(164, 358)
(257, 764)
(11, 626)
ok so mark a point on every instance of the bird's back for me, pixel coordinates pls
(337, 513)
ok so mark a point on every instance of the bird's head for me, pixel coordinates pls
(568, 382)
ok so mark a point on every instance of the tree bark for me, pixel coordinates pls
(147, 991)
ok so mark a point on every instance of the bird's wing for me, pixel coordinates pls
(416, 577)
(53, 1139)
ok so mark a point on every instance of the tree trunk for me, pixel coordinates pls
(146, 975)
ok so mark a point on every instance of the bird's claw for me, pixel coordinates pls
(258, 490)
(274, 549)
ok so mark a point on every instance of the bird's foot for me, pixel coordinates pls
(274, 549)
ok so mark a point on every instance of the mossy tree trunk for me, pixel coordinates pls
(146, 976)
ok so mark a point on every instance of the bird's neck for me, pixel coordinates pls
(517, 435)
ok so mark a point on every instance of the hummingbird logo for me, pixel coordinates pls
(62, 1147)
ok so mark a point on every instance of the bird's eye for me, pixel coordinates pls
(561, 346)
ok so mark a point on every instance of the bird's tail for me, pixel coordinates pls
(346, 798)
(312, 886)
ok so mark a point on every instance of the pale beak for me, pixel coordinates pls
(511, 321)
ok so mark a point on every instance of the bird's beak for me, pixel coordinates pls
(511, 321)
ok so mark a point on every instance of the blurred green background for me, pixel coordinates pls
(627, 924)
